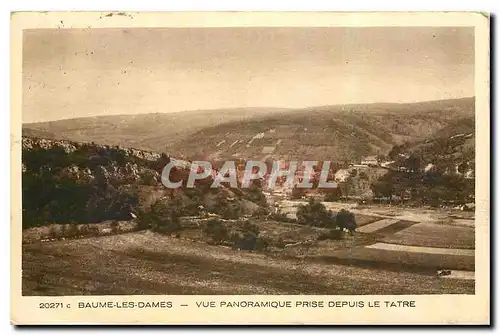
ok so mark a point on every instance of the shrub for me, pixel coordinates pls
(260, 213)
(228, 207)
(280, 243)
(53, 233)
(248, 241)
(64, 230)
(167, 225)
(144, 220)
(247, 237)
(89, 230)
(72, 230)
(282, 217)
(148, 177)
(115, 227)
(254, 194)
(216, 230)
(261, 243)
(163, 216)
(251, 227)
(231, 211)
(244, 240)
(315, 214)
(332, 234)
(333, 195)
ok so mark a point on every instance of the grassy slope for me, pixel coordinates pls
(146, 263)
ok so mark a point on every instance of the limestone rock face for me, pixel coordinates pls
(84, 162)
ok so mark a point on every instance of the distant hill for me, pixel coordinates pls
(157, 132)
(28, 132)
(339, 132)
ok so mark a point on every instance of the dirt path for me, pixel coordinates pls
(377, 225)
(424, 250)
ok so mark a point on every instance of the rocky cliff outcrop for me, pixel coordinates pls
(66, 181)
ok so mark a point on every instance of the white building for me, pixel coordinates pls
(470, 174)
(369, 160)
(429, 167)
(387, 164)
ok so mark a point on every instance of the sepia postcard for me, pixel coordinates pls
(232, 168)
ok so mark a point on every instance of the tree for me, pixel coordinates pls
(216, 230)
(395, 151)
(345, 188)
(462, 167)
(333, 194)
(413, 163)
(163, 217)
(436, 195)
(382, 188)
(346, 220)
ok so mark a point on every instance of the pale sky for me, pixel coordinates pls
(71, 73)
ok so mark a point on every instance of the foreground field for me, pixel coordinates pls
(148, 263)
